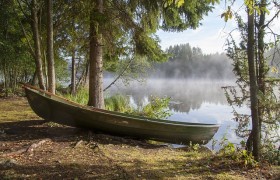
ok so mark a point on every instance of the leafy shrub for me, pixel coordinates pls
(270, 153)
(157, 108)
(242, 156)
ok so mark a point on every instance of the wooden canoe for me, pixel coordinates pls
(57, 109)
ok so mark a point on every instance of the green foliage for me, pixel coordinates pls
(194, 147)
(271, 153)
(252, 6)
(80, 97)
(148, 46)
(16, 64)
(157, 108)
(227, 14)
(61, 69)
(241, 156)
(118, 103)
(228, 149)
(267, 94)
(128, 32)
(247, 158)
(187, 15)
(177, 3)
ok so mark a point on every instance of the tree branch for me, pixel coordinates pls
(120, 75)
(275, 16)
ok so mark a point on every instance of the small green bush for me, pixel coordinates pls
(242, 156)
(157, 108)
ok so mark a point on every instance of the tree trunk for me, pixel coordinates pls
(37, 44)
(50, 53)
(83, 78)
(261, 49)
(73, 74)
(5, 78)
(253, 87)
(96, 98)
(33, 81)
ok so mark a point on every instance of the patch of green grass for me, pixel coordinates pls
(15, 109)
(118, 103)
(80, 97)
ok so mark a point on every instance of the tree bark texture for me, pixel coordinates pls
(50, 53)
(37, 44)
(253, 87)
(96, 98)
(261, 58)
(73, 74)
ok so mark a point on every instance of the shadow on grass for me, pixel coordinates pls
(40, 129)
(63, 171)
(103, 167)
(137, 170)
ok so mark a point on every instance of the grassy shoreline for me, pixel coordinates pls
(71, 153)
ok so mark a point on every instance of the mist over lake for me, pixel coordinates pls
(192, 100)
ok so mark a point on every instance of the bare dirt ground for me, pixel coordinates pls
(31, 148)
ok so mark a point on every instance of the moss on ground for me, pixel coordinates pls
(15, 109)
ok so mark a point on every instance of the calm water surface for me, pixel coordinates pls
(201, 101)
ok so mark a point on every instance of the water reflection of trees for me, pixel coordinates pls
(185, 94)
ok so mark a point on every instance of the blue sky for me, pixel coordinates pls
(212, 34)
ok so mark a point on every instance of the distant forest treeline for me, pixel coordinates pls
(190, 62)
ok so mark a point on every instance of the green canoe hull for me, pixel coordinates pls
(57, 109)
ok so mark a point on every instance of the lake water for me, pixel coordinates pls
(201, 101)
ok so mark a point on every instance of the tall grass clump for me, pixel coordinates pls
(81, 96)
(157, 107)
(118, 103)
